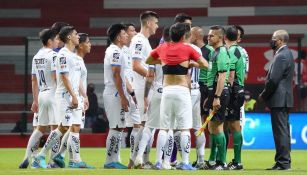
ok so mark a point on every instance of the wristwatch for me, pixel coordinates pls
(216, 96)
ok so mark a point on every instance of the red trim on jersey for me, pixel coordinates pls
(175, 53)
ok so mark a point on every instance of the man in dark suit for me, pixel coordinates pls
(278, 96)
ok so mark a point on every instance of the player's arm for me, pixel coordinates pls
(34, 107)
(151, 60)
(84, 95)
(219, 90)
(118, 84)
(148, 83)
(68, 86)
(138, 68)
(130, 90)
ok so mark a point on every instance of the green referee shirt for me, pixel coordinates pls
(206, 51)
(218, 63)
(237, 63)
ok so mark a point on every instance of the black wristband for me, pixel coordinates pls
(132, 94)
(216, 96)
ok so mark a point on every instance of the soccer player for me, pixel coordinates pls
(115, 93)
(82, 49)
(57, 26)
(140, 49)
(43, 89)
(218, 98)
(176, 102)
(236, 80)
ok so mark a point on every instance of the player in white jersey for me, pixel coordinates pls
(115, 94)
(82, 49)
(43, 88)
(152, 101)
(140, 49)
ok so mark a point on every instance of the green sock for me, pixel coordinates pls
(237, 145)
(220, 141)
(213, 151)
(226, 132)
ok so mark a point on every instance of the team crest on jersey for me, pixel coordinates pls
(115, 57)
(62, 60)
(138, 48)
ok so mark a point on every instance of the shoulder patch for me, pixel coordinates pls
(138, 47)
(116, 57)
(63, 60)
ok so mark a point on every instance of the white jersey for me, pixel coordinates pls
(194, 72)
(247, 59)
(158, 81)
(67, 63)
(83, 72)
(113, 57)
(43, 67)
(128, 64)
(140, 49)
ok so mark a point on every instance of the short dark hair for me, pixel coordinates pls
(65, 31)
(240, 28)
(127, 25)
(47, 34)
(219, 28)
(146, 15)
(181, 17)
(178, 30)
(57, 26)
(114, 30)
(83, 37)
(166, 34)
(232, 33)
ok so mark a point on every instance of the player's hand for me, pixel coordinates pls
(86, 104)
(125, 104)
(74, 102)
(34, 107)
(145, 104)
(216, 104)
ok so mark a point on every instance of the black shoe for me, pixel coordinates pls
(233, 165)
(278, 167)
(209, 165)
(194, 163)
(219, 166)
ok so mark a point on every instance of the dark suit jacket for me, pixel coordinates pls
(278, 85)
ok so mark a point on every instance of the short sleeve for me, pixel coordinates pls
(63, 62)
(137, 48)
(223, 62)
(194, 55)
(33, 67)
(116, 58)
(53, 61)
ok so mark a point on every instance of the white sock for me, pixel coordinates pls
(161, 140)
(63, 147)
(136, 143)
(200, 147)
(168, 147)
(35, 149)
(116, 157)
(148, 147)
(133, 136)
(74, 138)
(33, 142)
(177, 136)
(185, 143)
(110, 145)
(146, 136)
(54, 150)
(51, 140)
(71, 158)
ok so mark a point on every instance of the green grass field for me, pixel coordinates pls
(254, 161)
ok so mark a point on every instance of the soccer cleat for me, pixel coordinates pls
(201, 166)
(80, 165)
(167, 166)
(24, 164)
(53, 165)
(210, 165)
(59, 160)
(233, 165)
(115, 165)
(219, 166)
(157, 166)
(39, 162)
(138, 162)
(186, 166)
(147, 165)
(174, 163)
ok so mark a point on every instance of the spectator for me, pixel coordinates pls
(92, 113)
(249, 104)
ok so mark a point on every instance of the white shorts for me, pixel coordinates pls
(35, 119)
(68, 116)
(153, 113)
(114, 111)
(47, 109)
(195, 97)
(139, 93)
(176, 106)
(133, 115)
(83, 112)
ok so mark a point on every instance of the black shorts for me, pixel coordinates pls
(204, 108)
(224, 100)
(235, 104)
